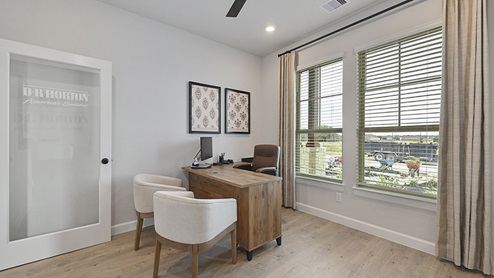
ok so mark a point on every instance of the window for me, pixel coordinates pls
(398, 114)
(319, 121)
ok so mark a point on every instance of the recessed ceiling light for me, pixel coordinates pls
(270, 28)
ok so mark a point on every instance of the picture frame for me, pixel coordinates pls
(204, 108)
(237, 111)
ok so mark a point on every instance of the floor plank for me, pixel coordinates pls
(312, 247)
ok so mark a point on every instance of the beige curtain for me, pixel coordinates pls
(464, 196)
(287, 128)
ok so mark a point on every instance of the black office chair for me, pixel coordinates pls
(265, 160)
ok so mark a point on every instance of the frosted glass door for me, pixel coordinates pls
(57, 187)
(54, 144)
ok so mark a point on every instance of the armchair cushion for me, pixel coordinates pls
(268, 170)
(181, 218)
(263, 161)
(150, 179)
(144, 185)
(243, 165)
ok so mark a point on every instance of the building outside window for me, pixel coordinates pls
(399, 99)
(319, 121)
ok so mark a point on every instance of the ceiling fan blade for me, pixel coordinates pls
(236, 7)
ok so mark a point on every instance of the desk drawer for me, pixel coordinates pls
(205, 188)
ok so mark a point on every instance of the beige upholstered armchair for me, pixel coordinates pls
(197, 224)
(265, 160)
(144, 187)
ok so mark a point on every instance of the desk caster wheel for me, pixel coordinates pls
(278, 241)
(249, 255)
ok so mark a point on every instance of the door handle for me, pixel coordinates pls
(105, 160)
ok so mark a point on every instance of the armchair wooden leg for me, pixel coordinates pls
(234, 245)
(156, 258)
(195, 260)
(138, 231)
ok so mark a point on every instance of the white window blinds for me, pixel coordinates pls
(401, 82)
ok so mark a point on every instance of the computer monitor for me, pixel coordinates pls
(206, 148)
(205, 152)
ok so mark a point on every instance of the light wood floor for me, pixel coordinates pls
(312, 247)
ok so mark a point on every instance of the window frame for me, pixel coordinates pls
(362, 130)
(315, 131)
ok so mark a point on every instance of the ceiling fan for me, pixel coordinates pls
(236, 7)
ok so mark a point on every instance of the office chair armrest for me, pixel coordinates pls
(268, 170)
(243, 166)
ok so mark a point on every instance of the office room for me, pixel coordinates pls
(335, 222)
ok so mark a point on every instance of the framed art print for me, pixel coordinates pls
(204, 108)
(237, 111)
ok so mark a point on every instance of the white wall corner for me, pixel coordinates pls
(403, 239)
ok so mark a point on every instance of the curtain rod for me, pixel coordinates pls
(347, 26)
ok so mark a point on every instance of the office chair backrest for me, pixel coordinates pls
(265, 155)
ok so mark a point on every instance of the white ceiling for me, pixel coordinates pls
(293, 19)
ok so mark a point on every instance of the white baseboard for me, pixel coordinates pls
(129, 226)
(412, 242)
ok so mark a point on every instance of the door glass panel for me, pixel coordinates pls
(54, 147)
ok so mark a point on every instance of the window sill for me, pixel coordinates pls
(396, 198)
(320, 183)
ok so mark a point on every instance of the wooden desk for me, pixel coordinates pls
(258, 201)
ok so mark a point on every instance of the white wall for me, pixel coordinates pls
(152, 64)
(410, 222)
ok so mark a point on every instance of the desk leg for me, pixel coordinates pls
(249, 255)
(278, 241)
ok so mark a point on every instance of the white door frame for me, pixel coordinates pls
(13, 253)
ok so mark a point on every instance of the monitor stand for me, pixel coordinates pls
(200, 166)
